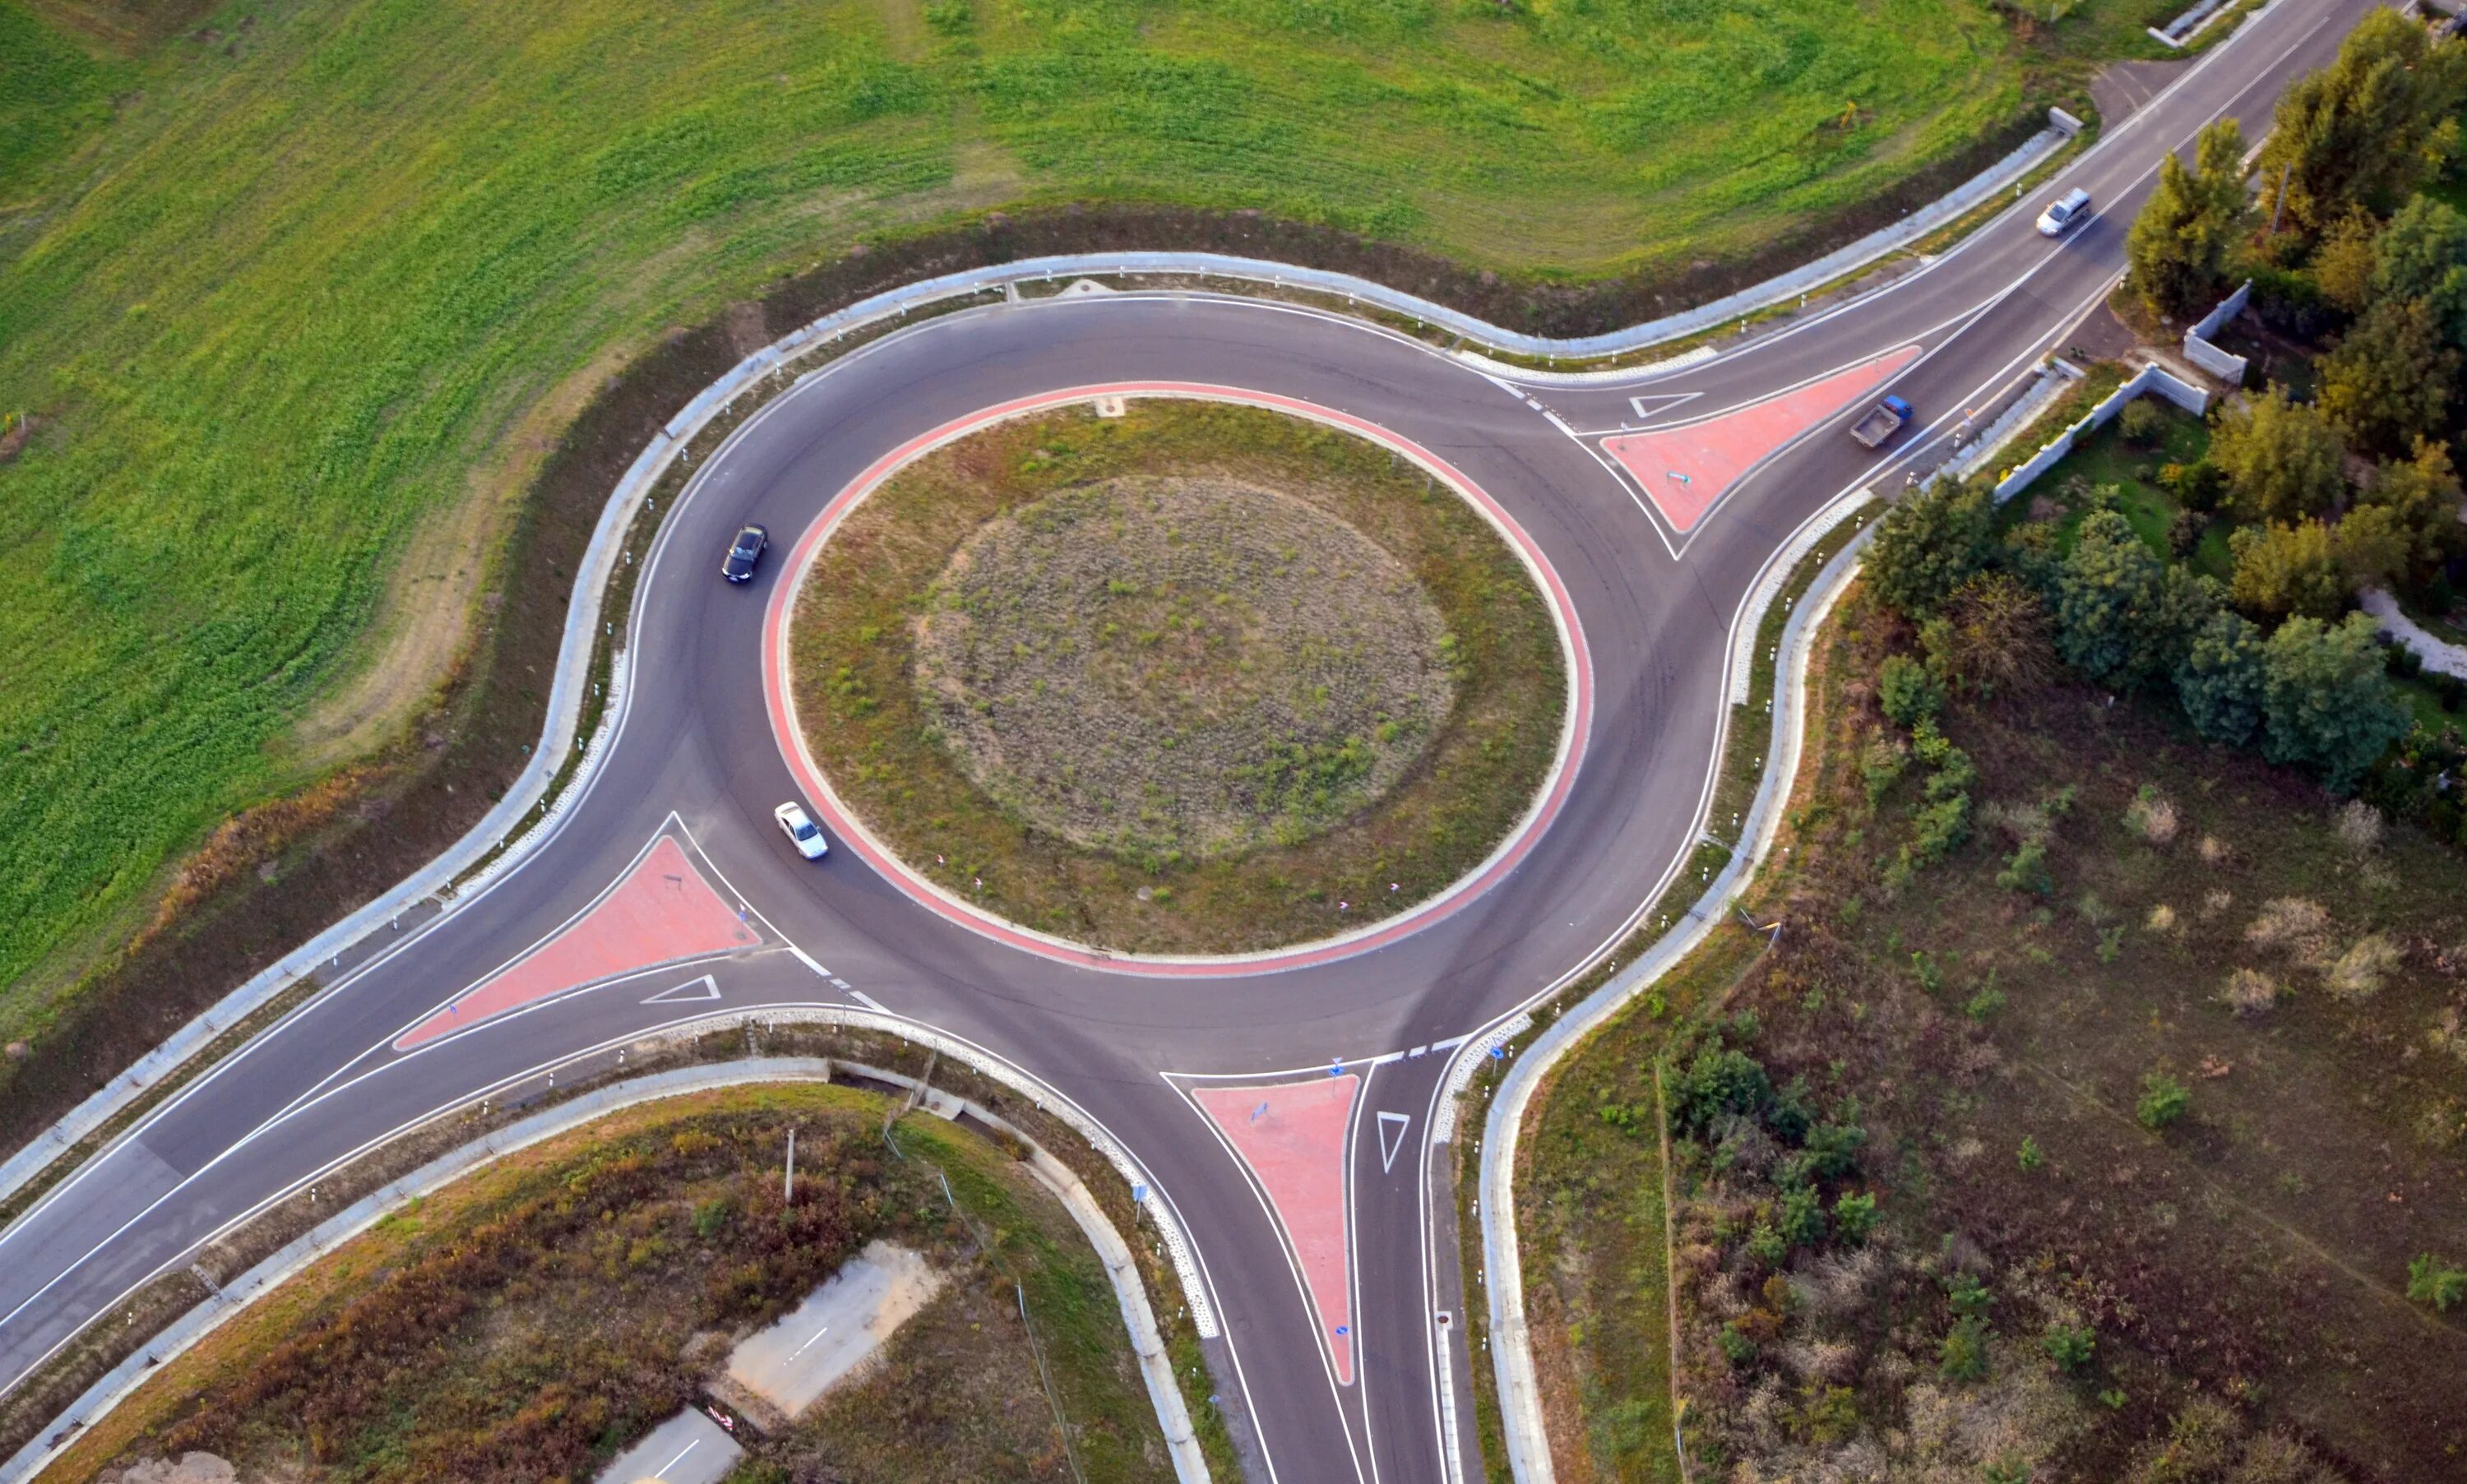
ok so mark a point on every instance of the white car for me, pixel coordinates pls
(2063, 213)
(803, 832)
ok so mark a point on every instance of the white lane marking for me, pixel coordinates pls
(865, 1000)
(807, 960)
(1392, 1137)
(688, 993)
(672, 1464)
(809, 1343)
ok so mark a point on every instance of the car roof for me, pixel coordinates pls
(2076, 196)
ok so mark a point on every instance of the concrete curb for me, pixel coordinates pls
(1520, 1405)
(602, 556)
(123, 1380)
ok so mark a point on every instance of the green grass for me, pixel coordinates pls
(292, 303)
(906, 767)
(2106, 460)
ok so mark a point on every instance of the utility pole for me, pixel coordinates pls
(788, 1182)
(2279, 205)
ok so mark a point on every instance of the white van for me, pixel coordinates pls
(2069, 208)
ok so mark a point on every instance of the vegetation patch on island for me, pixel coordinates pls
(1198, 679)
(538, 1319)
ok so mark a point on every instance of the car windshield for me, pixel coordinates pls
(804, 829)
(745, 545)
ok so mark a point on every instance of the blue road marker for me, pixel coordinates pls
(1259, 1112)
(1499, 1053)
(1343, 1329)
(1336, 1070)
(1139, 1193)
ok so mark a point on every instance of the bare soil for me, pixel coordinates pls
(1160, 668)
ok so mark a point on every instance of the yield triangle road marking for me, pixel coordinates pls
(1646, 406)
(1392, 1137)
(703, 988)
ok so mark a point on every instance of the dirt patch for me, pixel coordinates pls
(1327, 787)
(1160, 668)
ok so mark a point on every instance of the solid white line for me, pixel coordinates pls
(807, 960)
(681, 1457)
(867, 1000)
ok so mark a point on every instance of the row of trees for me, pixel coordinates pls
(2310, 692)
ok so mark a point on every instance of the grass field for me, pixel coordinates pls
(537, 1318)
(1311, 859)
(300, 293)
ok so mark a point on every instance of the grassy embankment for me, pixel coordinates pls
(300, 295)
(852, 657)
(534, 1318)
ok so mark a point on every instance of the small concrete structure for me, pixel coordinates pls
(837, 1328)
(687, 1448)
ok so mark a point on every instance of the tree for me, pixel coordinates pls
(2364, 130)
(2163, 1100)
(1992, 637)
(2345, 262)
(2123, 617)
(2179, 245)
(2281, 459)
(2326, 702)
(2422, 495)
(2286, 570)
(2372, 545)
(1929, 544)
(2387, 383)
(2219, 684)
(1907, 692)
(2422, 254)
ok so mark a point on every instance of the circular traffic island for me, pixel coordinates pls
(1198, 679)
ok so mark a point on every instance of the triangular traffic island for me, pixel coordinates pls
(1292, 1136)
(1685, 469)
(661, 912)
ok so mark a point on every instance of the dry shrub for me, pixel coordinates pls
(2250, 992)
(2162, 920)
(2359, 825)
(2022, 821)
(2152, 815)
(2216, 902)
(2215, 851)
(2360, 970)
(2294, 926)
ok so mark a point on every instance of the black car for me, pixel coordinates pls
(744, 552)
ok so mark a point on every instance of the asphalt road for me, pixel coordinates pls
(695, 757)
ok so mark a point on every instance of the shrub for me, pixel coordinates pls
(2141, 422)
(2029, 1157)
(1962, 1354)
(2359, 972)
(2250, 992)
(2151, 816)
(2185, 532)
(2070, 1346)
(2196, 486)
(2025, 869)
(1736, 1347)
(1854, 1217)
(1939, 829)
(2163, 1100)
(2432, 1281)
(1908, 692)
(1880, 764)
(1798, 1217)
(2359, 825)
(2291, 924)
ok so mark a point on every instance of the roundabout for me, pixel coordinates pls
(1204, 683)
(1282, 1112)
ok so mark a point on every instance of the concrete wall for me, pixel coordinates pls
(2150, 379)
(2198, 349)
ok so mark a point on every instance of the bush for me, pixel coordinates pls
(2025, 869)
(2198, 486)
(2432, 1281)
(1854, 1217)
(1908, 692)
(2152, 815)
(2184, 533)
(2163, 1100)
(2070, 1346)
(2141, 422)
(2250, 992)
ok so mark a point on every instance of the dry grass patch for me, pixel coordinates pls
(1170, 668)
(1198, 679)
